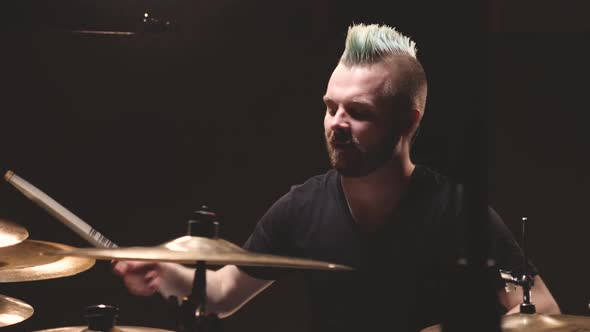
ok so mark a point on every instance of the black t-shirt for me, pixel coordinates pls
(401, 277)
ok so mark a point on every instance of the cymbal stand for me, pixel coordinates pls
(193, 314)
(526, 280)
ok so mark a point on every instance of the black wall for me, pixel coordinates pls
(134, 132)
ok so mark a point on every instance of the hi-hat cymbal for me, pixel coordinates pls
(538, 323)
(189, 249)
(11, 233)
(13, 311)
(24, 262)
(114, 329)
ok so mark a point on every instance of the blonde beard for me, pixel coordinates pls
(361, 163)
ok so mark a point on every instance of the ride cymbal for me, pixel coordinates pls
(24, 262)
(537, 323)
(13, 311)
(189, 249)
(11, 233)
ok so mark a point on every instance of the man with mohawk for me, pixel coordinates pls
(391, 220)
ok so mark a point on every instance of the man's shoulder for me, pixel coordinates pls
(427, 176)
(312, 192)
(437, 192)
(316, 184)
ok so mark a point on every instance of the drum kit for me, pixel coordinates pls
(22, 259)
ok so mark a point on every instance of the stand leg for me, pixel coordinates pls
(193, 314)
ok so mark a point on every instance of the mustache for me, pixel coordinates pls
(341, 137)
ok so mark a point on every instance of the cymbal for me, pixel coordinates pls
(538, 323)
(24, 262)
(11, 233)
(189, 249)
(114, 329)
(13, 311)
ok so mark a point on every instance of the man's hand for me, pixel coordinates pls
(140, 278)
(227, 288)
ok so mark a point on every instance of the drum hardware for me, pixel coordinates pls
(201, 246)
(537, 323)
(11, 233)
(64, 215)
(185, 250)
(102, 318)
(193, 314)
(528, 319)
(13, 311)
(526, 280)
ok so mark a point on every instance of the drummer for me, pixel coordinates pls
(395, 222)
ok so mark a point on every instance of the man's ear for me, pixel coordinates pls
(412, 121)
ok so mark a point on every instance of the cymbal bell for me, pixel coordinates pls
(13, 311)
(11, 233)
(24, 262)
(537, 323)
(189, 249)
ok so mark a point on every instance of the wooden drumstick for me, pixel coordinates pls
(76, 224)
(58, 211)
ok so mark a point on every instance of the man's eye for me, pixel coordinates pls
(358, 113)
(330, 110)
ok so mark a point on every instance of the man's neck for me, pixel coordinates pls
(374, 197)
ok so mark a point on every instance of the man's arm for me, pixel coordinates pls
(228, 288)
(540, 296)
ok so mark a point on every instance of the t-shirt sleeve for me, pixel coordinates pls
(271, 235)
(507, 253)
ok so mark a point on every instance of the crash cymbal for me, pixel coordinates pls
(114, 329)
(13, 311)
(538, 323)
(11, 233)
(189, 249)
(24, 262)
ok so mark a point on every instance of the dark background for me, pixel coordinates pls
(133, 132)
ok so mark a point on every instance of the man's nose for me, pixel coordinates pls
(340, 120)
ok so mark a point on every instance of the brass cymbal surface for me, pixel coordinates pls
(13, 311)
(114, 329)
(538, 323)
(11, 233)
(189, 249)
(24, 262)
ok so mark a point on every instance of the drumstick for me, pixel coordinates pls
(58, 211)
(76, 224)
